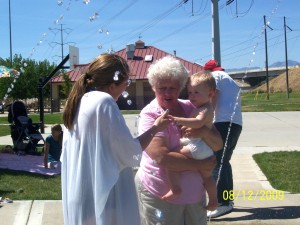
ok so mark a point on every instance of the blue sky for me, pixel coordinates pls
(166, 24)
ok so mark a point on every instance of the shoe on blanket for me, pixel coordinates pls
(220, 211)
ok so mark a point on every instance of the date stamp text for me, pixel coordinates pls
(250, 195)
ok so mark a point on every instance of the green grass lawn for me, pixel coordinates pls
(4, 130)
(258, 102)
(19, 185)
(281, 168)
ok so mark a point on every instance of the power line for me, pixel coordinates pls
(237, 13)
(104, 26)
(183, 27)
(138, 31)
(62, 43)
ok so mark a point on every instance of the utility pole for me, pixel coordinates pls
(216, 49)
(10, 41)
(286, 59)
(266, 52)
(61, 30)
(61, 43)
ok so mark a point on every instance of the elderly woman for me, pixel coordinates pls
(168, 77)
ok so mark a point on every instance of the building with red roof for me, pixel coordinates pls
(139, 57)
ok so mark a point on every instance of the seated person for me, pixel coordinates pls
(52, 148)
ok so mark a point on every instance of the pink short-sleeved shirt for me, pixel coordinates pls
(153, 176)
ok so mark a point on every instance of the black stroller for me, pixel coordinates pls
(24, 133)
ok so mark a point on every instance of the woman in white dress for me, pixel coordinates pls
(98, 149)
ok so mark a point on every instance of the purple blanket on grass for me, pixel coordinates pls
(29, 163)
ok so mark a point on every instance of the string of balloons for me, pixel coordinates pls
(263, 29)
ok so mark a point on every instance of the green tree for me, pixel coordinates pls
(66, 87)
(25, 86)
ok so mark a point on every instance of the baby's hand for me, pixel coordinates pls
(190, 132)
(171, 117)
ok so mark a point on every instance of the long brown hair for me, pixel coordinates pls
(101, 73)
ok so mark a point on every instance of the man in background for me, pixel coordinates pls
(228, 121)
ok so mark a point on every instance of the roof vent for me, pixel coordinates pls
(140, 44)
(148, 58)
(130, 51)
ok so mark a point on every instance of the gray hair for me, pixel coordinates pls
(166, 68)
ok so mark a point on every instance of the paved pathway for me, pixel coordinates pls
(268, 131)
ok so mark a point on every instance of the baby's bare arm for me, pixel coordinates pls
(199, 117)
(186, 151)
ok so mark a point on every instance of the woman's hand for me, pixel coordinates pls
(162, 122)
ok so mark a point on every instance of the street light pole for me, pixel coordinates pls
(10, 42)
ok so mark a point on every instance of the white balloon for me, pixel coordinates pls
(125, 94)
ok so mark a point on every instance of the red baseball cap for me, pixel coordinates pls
(212, 65)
